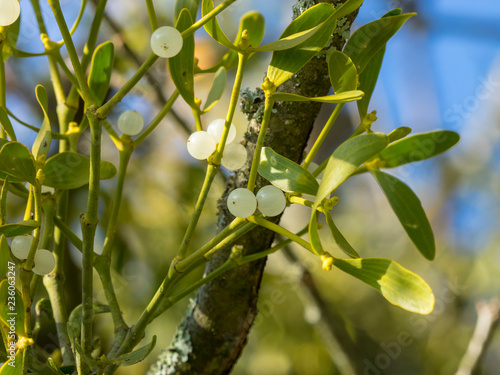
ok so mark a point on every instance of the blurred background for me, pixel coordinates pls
(441, 71)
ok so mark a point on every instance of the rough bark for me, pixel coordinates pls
(214, 332)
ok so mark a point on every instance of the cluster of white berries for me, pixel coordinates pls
(44, 259)
(270, 201)
(166, 41)
(130, 122)
(202, 144)
(9, 12)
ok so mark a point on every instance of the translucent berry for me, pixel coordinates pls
(130, 122)
(241, 202)
(271, 201)
(201, 145)
(166, 41)
(20, 246)
(9, 12)
(235, 156)
(216, 127)
(44, 262)
(47, 190)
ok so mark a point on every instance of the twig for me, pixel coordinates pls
(488, 317)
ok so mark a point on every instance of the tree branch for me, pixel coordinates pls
(214, 332)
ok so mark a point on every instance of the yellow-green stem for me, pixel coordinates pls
(322, 136)
(252, 178)
(153, 20)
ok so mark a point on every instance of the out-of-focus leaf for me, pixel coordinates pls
(409, 211)
(100, 71)
(75, 318)
(136, 356)
(212, 27)
(191, 5)
(339, 238)
(4, 256)
(6, 124)
(16, 161)
(369, 39)
(346, 158)
(343, 97)
(11, 306)
(215, 93)
(69, 170)
(398, 133)
(399, 286)
(284, 64)
(19, 229)
(182, 65)
(343, 74)
(418, 147)
(42, 142)
(285, 174)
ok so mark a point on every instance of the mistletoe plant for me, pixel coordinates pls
(43, 178)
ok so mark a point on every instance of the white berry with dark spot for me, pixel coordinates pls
(241, 202)
(271, 201)
(166, 41)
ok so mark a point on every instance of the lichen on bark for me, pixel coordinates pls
(219, 323)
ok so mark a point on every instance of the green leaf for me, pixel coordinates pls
(343, 74)
(343, 97)
(285, 174)
(368, 80)
(369, 39)
(399, 286)
(42, 142)
(215, 93)
(284, 64)
(344, 245)
(314, 234)
(16, 161)
(4, 256)
(182, 65)
(19, 229)
(6, 124)
(191, 5)
(418, 147)
(75, 318)
(290, 41)
(253, 22)
(212, 27)
(398, 133)
(69, 170)
(11, 36)
(136, 356)
(346, 158)
(11, 306)
(15, 368)
(100, 71)
(409, 211)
